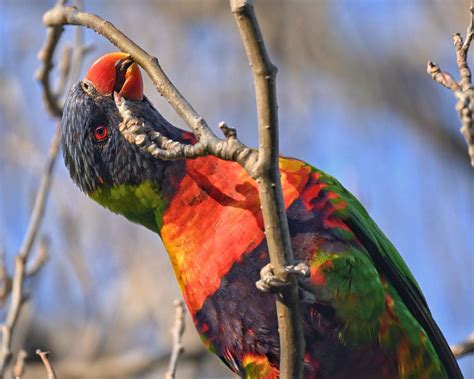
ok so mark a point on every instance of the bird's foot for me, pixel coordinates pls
(269, 282)
(299, 270)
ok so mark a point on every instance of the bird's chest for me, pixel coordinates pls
(238, 322)
(213, 221)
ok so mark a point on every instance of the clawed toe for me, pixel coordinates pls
(269, 282)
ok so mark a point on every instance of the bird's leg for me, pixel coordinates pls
(269, 282)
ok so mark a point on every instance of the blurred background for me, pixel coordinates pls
(355, 101)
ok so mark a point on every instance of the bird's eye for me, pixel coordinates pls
(101, 133)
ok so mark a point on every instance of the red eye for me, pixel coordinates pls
(101, 133)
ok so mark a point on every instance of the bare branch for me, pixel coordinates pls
(64, 70)
(41, 197)
(45, 55)
(463, 90)
(78, 53)
(69, 66)
(5, 280)
(21, 259)
(441, 77)
(8, 326)
(292, 342)
(464, 348)
(47, 364)
(39, 259)
(19, 367)
(135, 363)
(177, 331)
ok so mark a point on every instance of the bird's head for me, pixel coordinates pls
(94, 151)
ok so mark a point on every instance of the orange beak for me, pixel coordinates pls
(116, 72)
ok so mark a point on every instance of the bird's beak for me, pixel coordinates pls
(116, 72)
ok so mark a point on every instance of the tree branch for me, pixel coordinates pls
(69, 65)
(19, 367)
(135, 363)
(47, 364)
(464, 348)
(17, 295)
(463, 89)
(45, 55)
(5, 280)
(177, 331)
(39, 259)
(41, 197)
(292, 343)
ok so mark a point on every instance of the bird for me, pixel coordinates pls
(366, 317)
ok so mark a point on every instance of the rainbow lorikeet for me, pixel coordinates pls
(368, 317)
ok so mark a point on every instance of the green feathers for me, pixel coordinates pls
(142, 204)
(352, 285)
(402, 309)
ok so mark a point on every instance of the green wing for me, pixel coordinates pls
(388, 262)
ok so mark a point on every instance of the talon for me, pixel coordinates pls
(262, 286)
(268, 281)
(300, 269)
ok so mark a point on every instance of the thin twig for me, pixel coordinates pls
(64, 70)
(19, 367)
(177, 331)
(133, 364)
(78, 52)
(5, 280)
(41, 197)
(40, 258)
(45, 55)
(464, 348)
(69, 66)
(47, 364)
(17, 295)
(463, 89)
(8, 326)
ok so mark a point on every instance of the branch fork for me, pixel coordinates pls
(463, 89)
